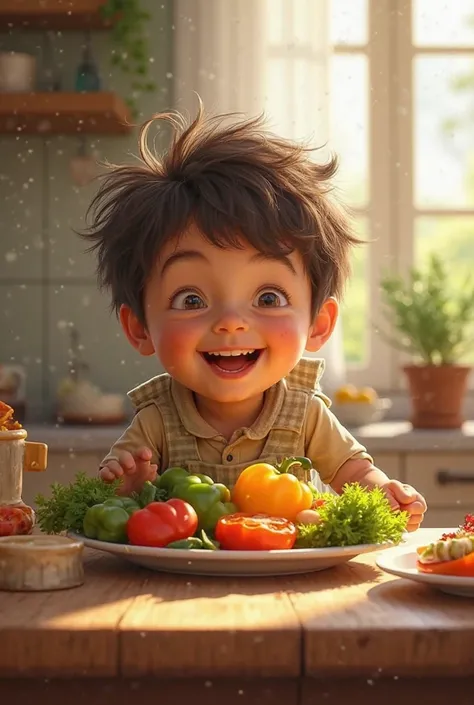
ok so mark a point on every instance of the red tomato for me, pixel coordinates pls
(160, 523)
(257, 532)
(16, 520)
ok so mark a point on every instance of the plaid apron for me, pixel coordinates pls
(302, 383)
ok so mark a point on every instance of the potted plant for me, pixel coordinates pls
(131, 55)
(435, 324)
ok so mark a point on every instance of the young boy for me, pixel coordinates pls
(226, 259)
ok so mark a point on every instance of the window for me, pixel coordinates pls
(394, 98)
(402, 110)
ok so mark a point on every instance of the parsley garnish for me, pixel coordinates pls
(64, 510)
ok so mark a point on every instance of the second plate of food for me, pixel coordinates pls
(402, 562)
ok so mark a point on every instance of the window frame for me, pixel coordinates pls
(392, 211)
(380, 369)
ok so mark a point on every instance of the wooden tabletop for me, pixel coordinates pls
(131, 622)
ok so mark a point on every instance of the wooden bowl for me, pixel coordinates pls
(40, 562)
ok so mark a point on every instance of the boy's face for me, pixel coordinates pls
(227, 323)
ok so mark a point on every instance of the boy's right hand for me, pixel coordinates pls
(133, 469)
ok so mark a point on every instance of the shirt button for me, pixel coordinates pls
(230, 458)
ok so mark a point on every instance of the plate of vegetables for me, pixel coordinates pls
(269, 523)
(446, 563)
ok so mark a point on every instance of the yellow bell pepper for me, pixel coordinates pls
(264, 489)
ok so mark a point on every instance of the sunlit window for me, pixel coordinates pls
(402, 116)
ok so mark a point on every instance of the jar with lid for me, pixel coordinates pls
(17, 455)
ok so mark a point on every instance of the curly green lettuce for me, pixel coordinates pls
(357, 516)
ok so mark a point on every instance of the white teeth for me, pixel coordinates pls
(231, 353)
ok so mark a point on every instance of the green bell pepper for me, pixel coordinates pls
(127, 503)
(170, 477)
(206, 479)
(206, 499)
(225, 492)
(108, 521)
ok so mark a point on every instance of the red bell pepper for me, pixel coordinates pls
(160, 523)
(254, 532)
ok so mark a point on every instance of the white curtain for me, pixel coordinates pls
(254, 55)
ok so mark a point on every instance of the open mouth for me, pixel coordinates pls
(232, 361)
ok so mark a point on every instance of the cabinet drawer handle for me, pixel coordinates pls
(448, 477)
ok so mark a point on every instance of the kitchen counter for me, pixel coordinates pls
(383, 437)
(348, 634)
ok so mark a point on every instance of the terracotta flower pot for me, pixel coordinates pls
(437, 394)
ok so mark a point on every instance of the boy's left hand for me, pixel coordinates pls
(407, 499)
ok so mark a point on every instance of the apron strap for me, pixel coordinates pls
(180, 443)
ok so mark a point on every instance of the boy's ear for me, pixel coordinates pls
(323, 325)
(135, 331)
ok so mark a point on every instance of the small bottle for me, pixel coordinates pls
(87, 77)
(50, 76)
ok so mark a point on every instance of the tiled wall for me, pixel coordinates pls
(46, 280)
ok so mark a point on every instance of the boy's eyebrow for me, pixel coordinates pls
(259, 256)
(182, 255)
(195, 254)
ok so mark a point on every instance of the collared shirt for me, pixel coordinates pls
(320, 436)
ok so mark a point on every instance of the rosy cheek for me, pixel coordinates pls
(176, 342)
(281, 330)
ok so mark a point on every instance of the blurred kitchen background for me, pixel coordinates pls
(386, 84)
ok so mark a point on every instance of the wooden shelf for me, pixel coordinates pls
(51, 14)
(63, 113)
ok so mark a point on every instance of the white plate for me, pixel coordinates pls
(242, 563)
(402, 562)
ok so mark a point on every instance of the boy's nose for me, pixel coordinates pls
(230, 322)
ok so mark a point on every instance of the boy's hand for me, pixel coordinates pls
(133, 469)
(407, 499)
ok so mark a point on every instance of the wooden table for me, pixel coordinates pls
(349, 634)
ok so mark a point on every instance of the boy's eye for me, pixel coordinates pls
(271, 298)
(187, 301)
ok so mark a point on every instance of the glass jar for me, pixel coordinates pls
(17, 455)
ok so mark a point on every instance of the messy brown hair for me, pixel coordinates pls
(233, 180)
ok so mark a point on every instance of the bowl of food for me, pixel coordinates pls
(359, 407)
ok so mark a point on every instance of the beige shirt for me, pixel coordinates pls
(167, 420)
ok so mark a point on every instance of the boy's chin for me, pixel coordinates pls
(228, 397)
(226, 394)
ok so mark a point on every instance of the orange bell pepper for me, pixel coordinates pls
(264, 489)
